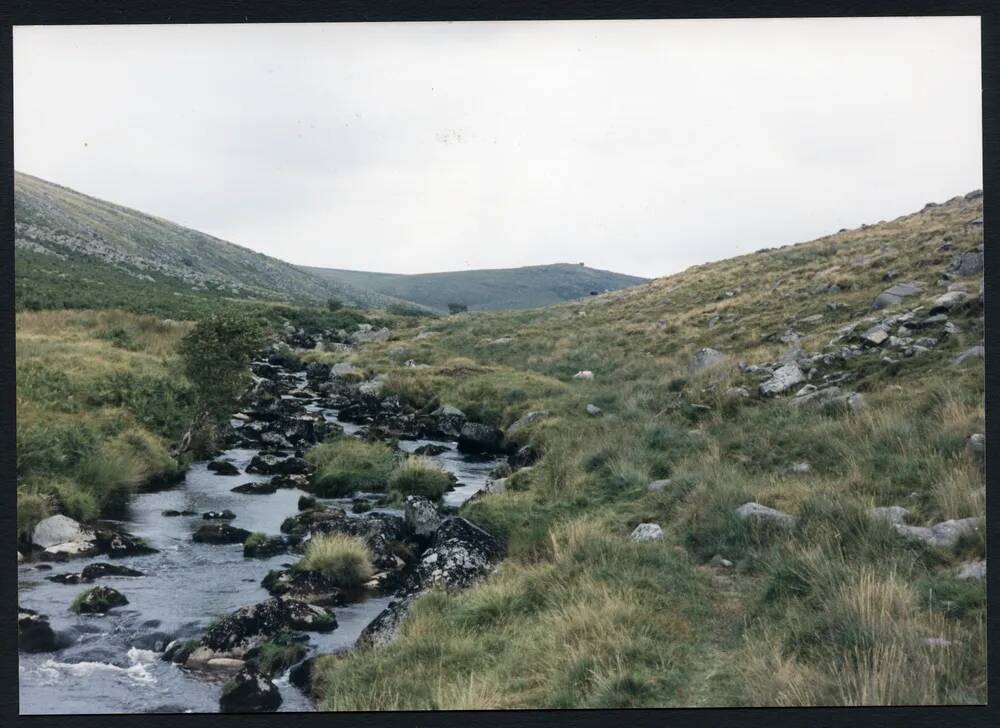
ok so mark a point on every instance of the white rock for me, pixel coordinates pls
(785, 377)
(658, 486)
(59, 529)
(972, 570)
(584, 374)
(594, 411)
(757, 512)
(647, 532)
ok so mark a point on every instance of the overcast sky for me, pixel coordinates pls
(637, 146)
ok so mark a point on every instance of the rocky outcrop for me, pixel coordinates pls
(784, 378)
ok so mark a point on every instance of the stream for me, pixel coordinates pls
(111, 663)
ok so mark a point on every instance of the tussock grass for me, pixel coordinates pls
(345, 560)
(346, 465)
(418, 475)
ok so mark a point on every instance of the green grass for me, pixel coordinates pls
(419, 476)
(345, 560)
(346, 465)
(834, 611)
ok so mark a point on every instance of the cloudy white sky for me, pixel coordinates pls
(637, 146)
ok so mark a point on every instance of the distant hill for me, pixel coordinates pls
(527, 287)
(75, 250)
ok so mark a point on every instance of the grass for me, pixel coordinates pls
(418, 475)
(345, 560)
(837, 610)
(346, 465)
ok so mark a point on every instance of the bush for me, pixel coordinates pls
(454, 308)
(347, 465)
(419, 476)
(216, 355)
(344, 560)
(31, 508)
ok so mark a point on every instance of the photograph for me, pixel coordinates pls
(498, 365)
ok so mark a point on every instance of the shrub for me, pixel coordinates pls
(419, 476)
(346, 465)
(344, 560)
(31, 508)
(454, 308)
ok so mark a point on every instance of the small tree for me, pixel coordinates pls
(216, 355)
(334, 304)
(454, 308)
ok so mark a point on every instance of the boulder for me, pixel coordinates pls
(430, 449)
(763, 514)
(946, 302)
(98, 600)
(265, 488)
(966, 264)
(448, 420)
(220, 533)
(248, 626)
(460, 552)
(945, 534)
(706, 357)
(310, 587)
(890, 514)
(523, 457)
(975, 352)
(784, 378)
(301, 675)
(524, 422)
(34, 634)
(224, 515)
(102, 569)
(647, 532)
(479, 439)
(976, 443)
(584, 374)
(223, 467)
(893, 296)
(594, 411)
(875, 336)
(421, 515)
(62, 536)
(317, 371)
(249, 692)
(264, 547)
(383, 629)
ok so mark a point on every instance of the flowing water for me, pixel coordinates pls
(110, 663)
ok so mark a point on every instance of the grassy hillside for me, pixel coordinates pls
(527, 287)
(834, 607)
(72, 250)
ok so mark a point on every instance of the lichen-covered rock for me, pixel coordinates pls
(945, 534)
(421, 515)
(249, 692)
(784, 378)
(478, 439)
(98, 600)
(647, 532)
(249, 625)
(707, 357)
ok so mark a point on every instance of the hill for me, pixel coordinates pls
(75, 250)
(502, 288)
(802, 428)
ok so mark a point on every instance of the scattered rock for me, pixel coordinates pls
(448, 420)
(764, 514)
(948, 301)
(895, 295)
(875, 336)
(62, 536)
(658, 486)
(707, 357)
(224, 515)
(249, 692)
(101, 569)
(264, 488)
(477, 439)
(34, 634)
(784, 378)
(966, 264)
(594, 411)
(220, 533)
(719, 562)
(976, 442)
(800, 468)
(421, 515)
(647, 532)
(976, 352)
(972, 570)
(524, 422)
(98, 600)
(890, 514)
(945, 534)
(223, 467)
(584, 374)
